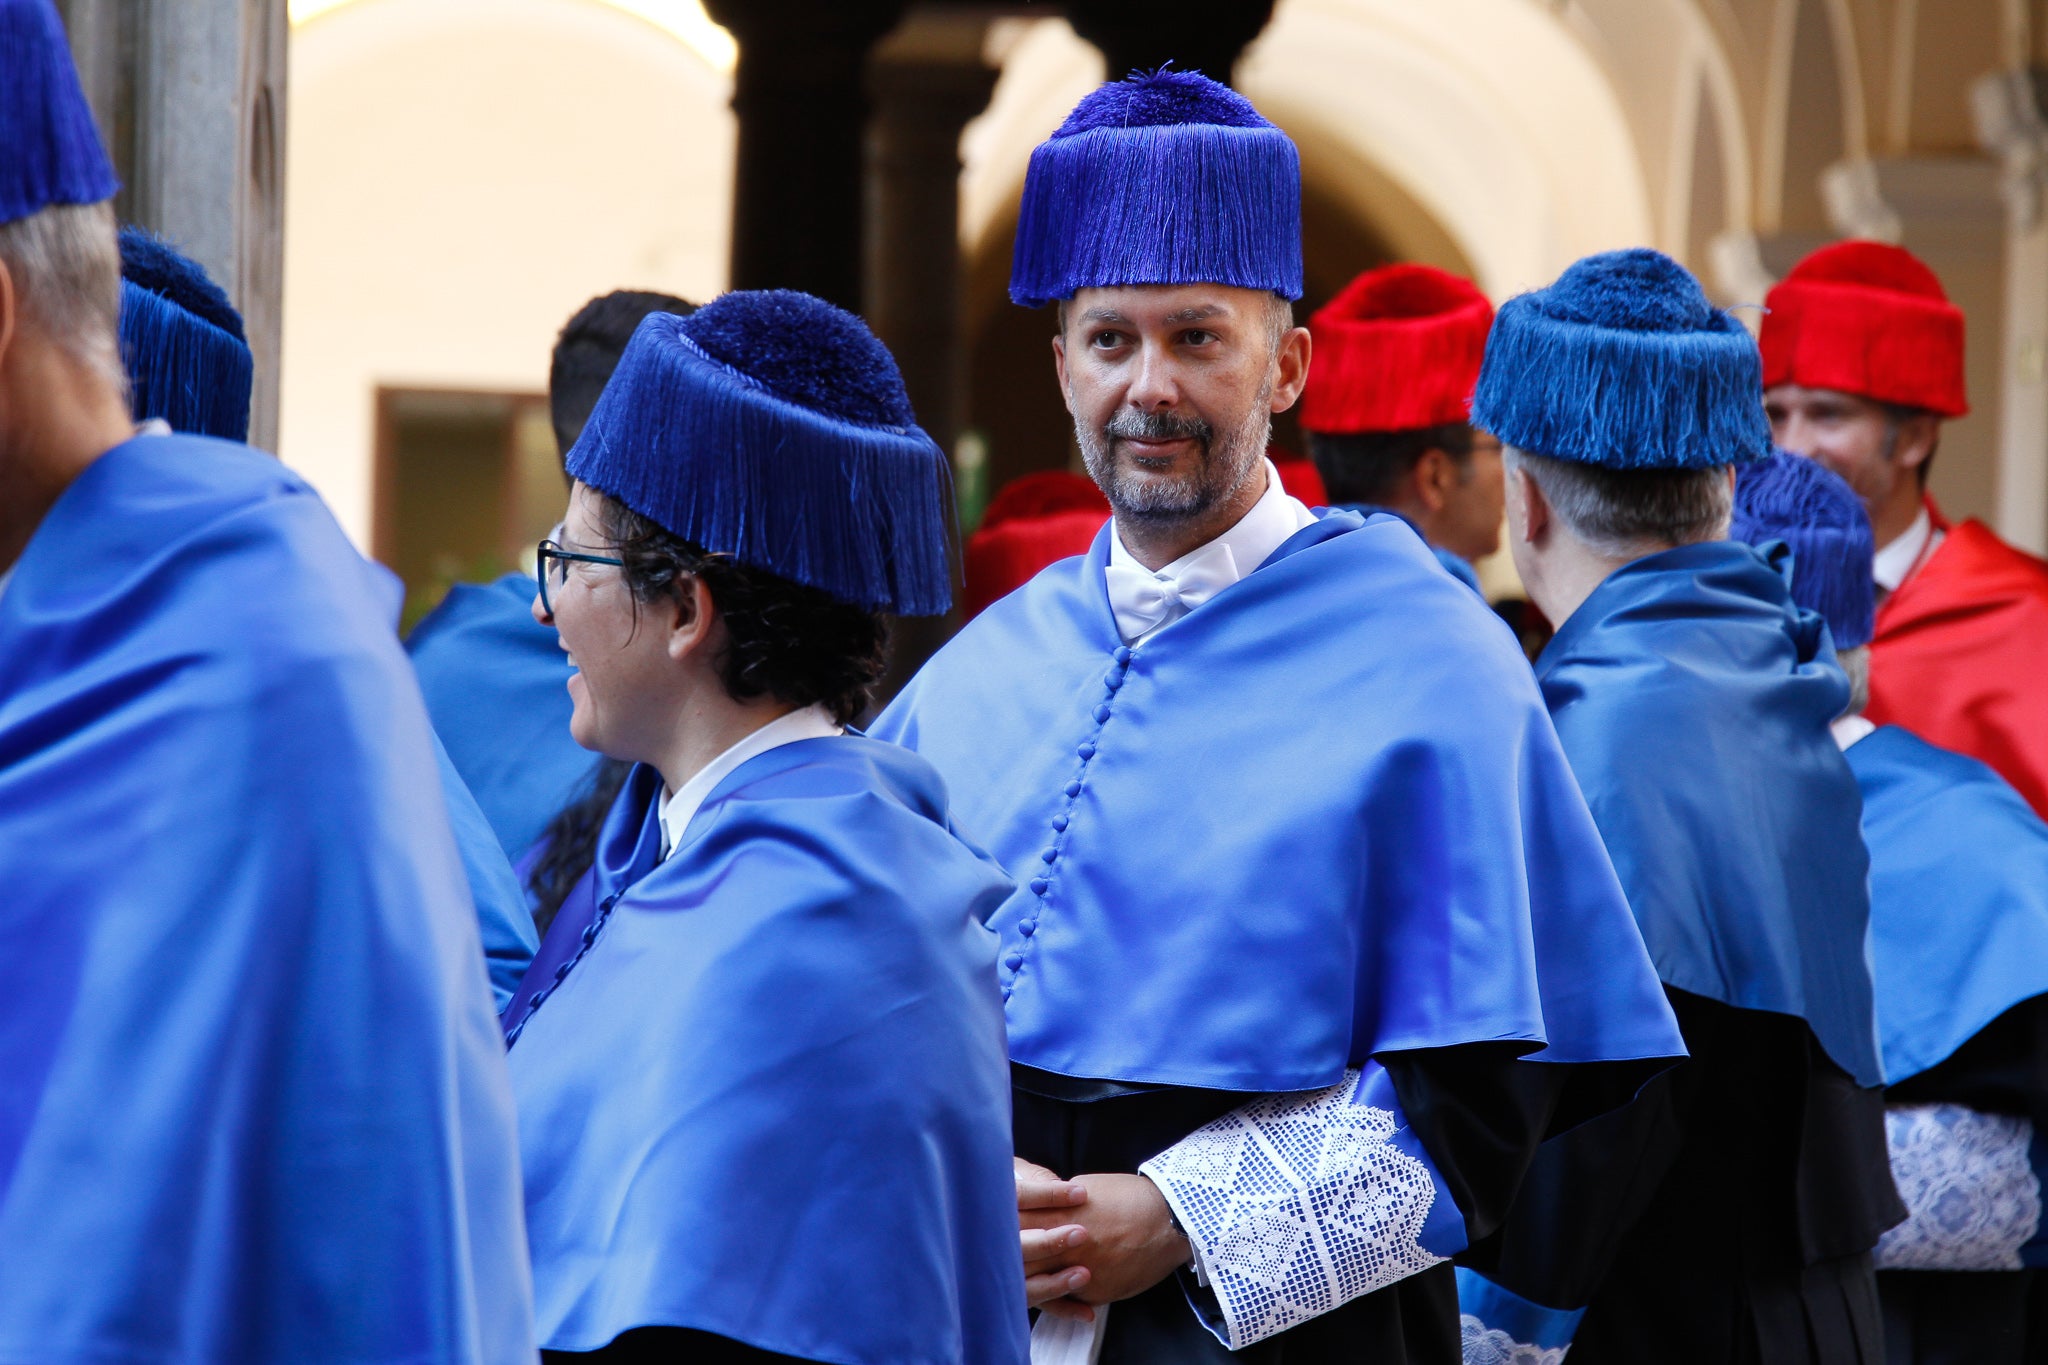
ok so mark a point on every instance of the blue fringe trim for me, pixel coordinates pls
(1191, 203)
(1818, 517)
(861, 511)
(184, 369)
(1619, 398)
(50, 150)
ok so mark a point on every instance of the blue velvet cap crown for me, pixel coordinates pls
(182, 343)
(50, 151)
(1623, 363)
(1161, 178)
(1819, 517)
(774, 427)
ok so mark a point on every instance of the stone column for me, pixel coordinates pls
(1195, 35)
(927, 80)
(2011, 126)
(798, 91)
(190, 95)
(1947, 210)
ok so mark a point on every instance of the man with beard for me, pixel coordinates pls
(1313, 938)
(1863, 361)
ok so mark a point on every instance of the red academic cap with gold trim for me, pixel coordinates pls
(1867, 319)
(1398, 349)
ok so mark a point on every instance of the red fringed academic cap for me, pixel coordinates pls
(1867, 319)
(1035, 520)
(1399, 348)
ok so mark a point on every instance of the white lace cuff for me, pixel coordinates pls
(1969, 1185)
(1296, 1204)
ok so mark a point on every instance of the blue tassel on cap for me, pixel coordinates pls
(188, 361)
(1162, 178)
(774, 427)
(1623, 363)
(50, 151)
(1821, 520)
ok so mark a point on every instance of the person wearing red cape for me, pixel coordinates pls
(1863, 361)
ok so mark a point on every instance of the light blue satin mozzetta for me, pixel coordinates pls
(252, 1104)
(502, 916)
(1693, 699)
(497, 685)
(761, 1085)
(1321, 816)
(1958, 896)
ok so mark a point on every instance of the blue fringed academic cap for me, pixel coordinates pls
(772, 426)
(1166, 178)
(50, 151)
(182, 342)
(1623, 363)
(1801, 502)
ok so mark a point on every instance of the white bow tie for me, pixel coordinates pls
(1143, 601)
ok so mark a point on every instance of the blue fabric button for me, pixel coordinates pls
(1073, 789)
(1101, 714)
(1038, 886)
(1121, 654)
(1013, 961)
(1059, 822)
(1114, 680)
(1028, 927)
(1050, 855)
(1086, 751)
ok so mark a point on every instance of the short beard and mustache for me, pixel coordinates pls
(1226, 462)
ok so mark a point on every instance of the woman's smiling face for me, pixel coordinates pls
(624, 676)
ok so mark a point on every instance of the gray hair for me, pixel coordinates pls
(1856, 663)
(65, 261)
(1625, 513)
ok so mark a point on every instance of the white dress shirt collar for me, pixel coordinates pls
(1895, 562)
(1146, 602)
(812, 722)
(1847, 730)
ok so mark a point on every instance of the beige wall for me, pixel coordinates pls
(463, 174)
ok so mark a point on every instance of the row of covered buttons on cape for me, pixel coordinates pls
(590, 932)
(1041, 882)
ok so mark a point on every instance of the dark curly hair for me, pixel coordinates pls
(794, 643)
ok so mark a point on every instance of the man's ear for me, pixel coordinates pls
(1917, 438)
(1059, 368)
(1529, 512)
(1434, 472)
(1290, 367)
(10, 311)
(691, 625)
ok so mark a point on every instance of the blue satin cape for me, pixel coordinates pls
(1958, 896)
(761, 1084)
(502, 913)
(1694, 698)
(497, 685)
(1321, 816)
(252, 1104)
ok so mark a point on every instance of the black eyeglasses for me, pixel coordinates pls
(551, 555)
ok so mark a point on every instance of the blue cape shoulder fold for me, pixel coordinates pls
(1320, 817)
(252, 1105)
(1694, 699)
(496, 684)
(1958, 896)
(796, 1011)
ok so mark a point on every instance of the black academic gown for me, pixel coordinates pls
(1749, 1182)
(1479, 1112)
(1976, 1317)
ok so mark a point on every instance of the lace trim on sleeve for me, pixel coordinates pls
(1969, 1184)
(1485, 1345)
(1296, 1204)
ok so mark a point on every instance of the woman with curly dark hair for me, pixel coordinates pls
(759, 1058)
